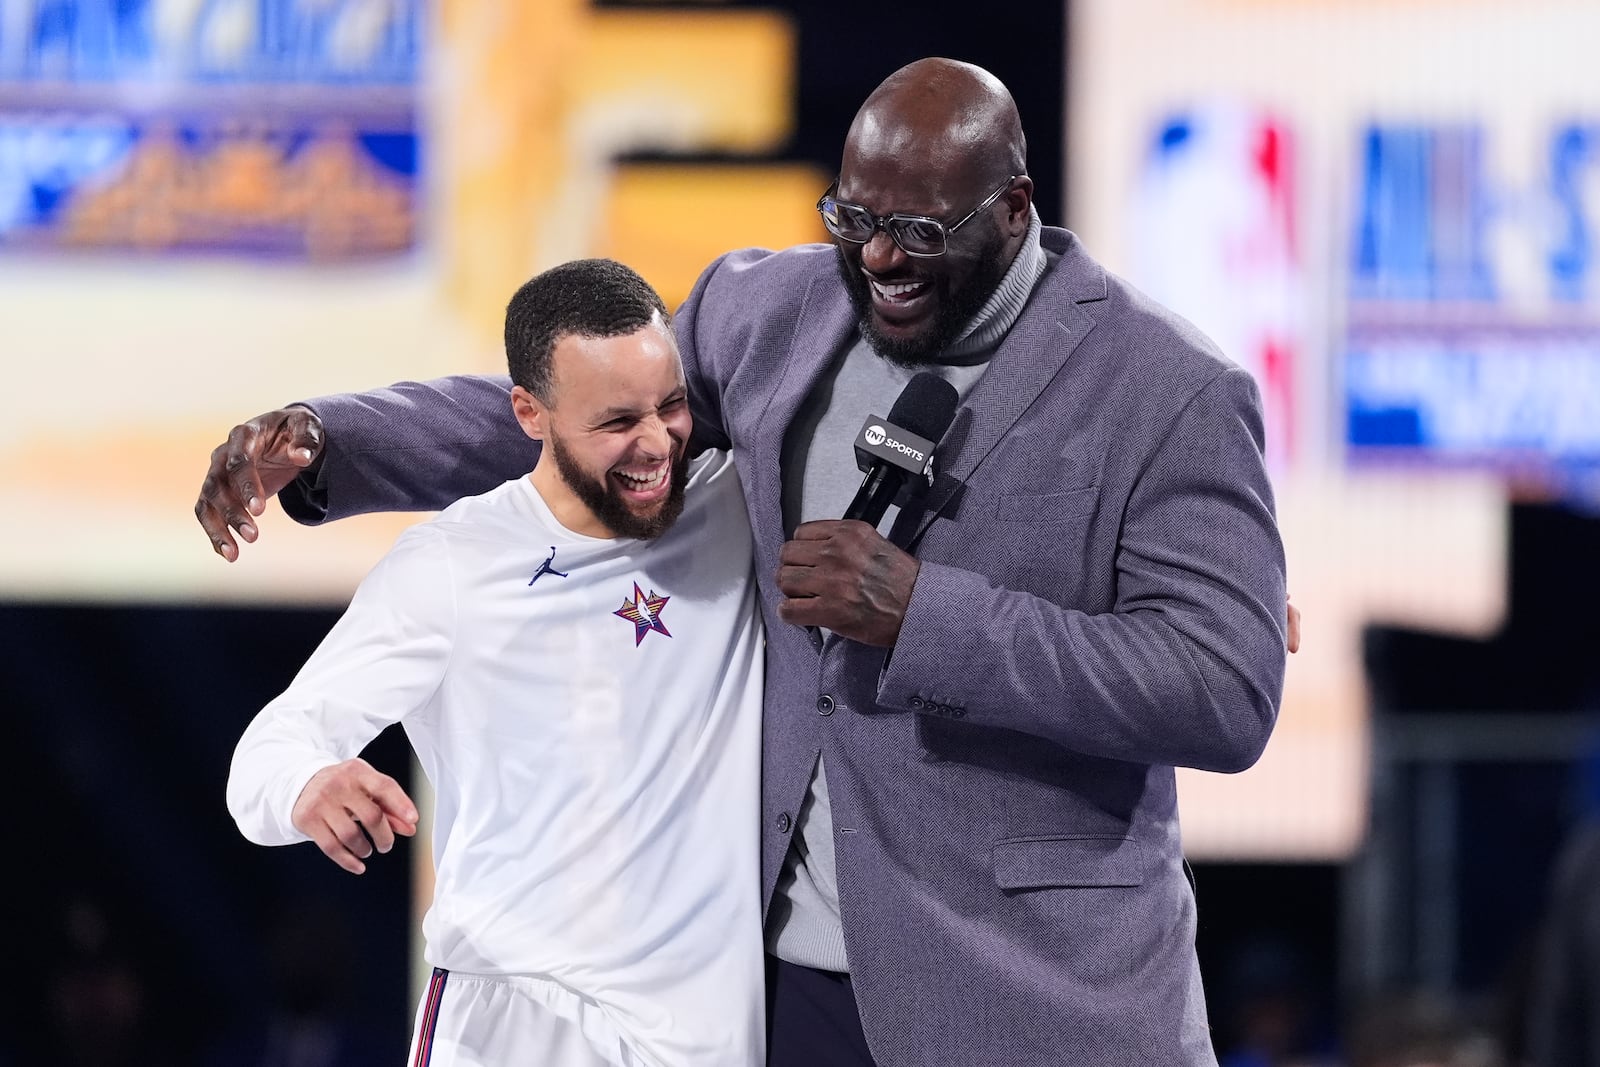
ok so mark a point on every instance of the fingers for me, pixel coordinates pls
(800, 553)
(816, 568)
(257, 460)
(214, 524)
(804, 580)
(1294, 628)
(848, 580)
(342, 841)
(231, 493)
(351, 810)
(829, 543)
(808, 611)
(403, 827)
(243, 452)
(803, 564)
(399, 814)
(800, 580)
(822, 529)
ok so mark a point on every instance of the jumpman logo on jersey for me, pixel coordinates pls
(644, 612)
(546, 568)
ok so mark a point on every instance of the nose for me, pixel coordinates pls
(880, 254)
(655, 440)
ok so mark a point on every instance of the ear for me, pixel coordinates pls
(532, 415)
(1017, 202)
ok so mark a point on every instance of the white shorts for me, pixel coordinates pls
(490, 1020)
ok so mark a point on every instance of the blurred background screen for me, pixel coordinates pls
(1386, 211)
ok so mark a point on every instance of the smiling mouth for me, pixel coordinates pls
(646, 484)
(897, 292)
(899, 302)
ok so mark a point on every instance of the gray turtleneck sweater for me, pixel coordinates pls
(819, 479)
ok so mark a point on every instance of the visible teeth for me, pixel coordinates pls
(644, 482)
(893, 290)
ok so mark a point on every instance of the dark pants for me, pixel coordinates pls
(812, 1018)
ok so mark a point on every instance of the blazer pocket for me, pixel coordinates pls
(1044, 862)
(1046, 507)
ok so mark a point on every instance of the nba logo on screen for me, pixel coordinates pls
(1213, 225)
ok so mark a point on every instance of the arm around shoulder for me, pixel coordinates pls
(414, 446)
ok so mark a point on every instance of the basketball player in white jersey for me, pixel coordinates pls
(575, 656)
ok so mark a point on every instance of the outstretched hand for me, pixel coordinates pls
(259, 458)
(842, 575)
(350, 809)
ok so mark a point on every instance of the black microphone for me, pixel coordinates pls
(899, 448)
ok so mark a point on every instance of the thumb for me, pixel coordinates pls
(403, 827)
(305, 437)
(397, 808)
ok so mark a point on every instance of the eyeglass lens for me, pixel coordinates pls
(915, 235)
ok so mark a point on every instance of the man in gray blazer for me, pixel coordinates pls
(971, 851)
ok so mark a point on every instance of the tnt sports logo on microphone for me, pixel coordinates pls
(877, 437)
(881, 441)
(905, 449)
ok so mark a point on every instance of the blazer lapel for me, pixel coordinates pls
(1032, 354)
(825, 323)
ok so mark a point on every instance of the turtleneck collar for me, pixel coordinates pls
(1005, 304)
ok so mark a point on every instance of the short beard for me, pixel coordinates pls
(955, 311)
(607, 505)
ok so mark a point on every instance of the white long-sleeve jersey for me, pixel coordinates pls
(588, 712)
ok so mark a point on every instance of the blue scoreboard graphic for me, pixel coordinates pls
(1472, 330)
(281, 128)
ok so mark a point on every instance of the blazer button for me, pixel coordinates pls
(784, 822)
(825, 704)
(916, 702)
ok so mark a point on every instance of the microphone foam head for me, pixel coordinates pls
(926, 406)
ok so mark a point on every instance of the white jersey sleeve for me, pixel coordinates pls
(382, 661)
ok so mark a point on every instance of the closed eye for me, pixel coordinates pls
(625, 421)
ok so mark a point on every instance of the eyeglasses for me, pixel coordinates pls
(917, 235)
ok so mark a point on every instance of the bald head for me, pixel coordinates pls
(952, 116)
(938, 141)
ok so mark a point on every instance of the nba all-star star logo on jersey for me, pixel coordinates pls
(644, 612)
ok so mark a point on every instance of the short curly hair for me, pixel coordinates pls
(584, 298)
